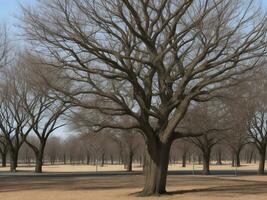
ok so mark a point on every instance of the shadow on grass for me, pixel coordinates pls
(240, 189)
(210, 186)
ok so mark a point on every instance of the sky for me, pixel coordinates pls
(9, 8)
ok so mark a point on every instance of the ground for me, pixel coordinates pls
(136, 167)
(122, 187)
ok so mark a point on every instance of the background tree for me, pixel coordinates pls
(13, 117)
(3, 149)
(256, 108)
(52, 149)
(44, 112)
(147, 60)
(204, 119)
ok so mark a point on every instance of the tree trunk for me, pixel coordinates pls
(206, 162)
(184, 160)
(39, 160)
(111, 160)
(250, 157)
(3, 157)
(87, 159)
(237, 159)
(219, 158)
(262, 153)
(130, 162)
(156, 168)
(13, 160)
(102, 159)
(233, 161)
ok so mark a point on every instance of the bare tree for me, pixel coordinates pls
(206, 120)
(256, 107)
(51, 150)
(129, 141)
(43, 111)
(3, 149)
(148, 59)
(13, 118)
(237, 137)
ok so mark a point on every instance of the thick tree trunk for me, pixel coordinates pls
(206, 162)
(13, 160)
(39, 161)
(3, 157)
(236, 159)
(38, 165)
(262, 154)
(156, 168)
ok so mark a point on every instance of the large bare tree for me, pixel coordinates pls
(147, 60)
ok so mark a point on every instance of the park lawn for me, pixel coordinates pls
(181, 187)
(136, 167)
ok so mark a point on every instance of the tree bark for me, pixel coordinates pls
(102, 159)
(3, 157)
(13, 160)
(250, 157)
(130, 162)
(156, 168)
(184, 160)
(219, 158)
(206, 162)
(262, 153)
(237, 159)
(111, 160)
(39, 160)
(87, 159)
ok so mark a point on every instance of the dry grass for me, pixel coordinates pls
(122, 187)
(136, 167)
(182, 187)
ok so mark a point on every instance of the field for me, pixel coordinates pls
(122, 187)
(136, 167)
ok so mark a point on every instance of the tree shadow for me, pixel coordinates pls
(240, 189)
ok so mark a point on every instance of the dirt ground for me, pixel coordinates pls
(181, 187)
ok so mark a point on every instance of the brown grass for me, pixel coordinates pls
(136, 167)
